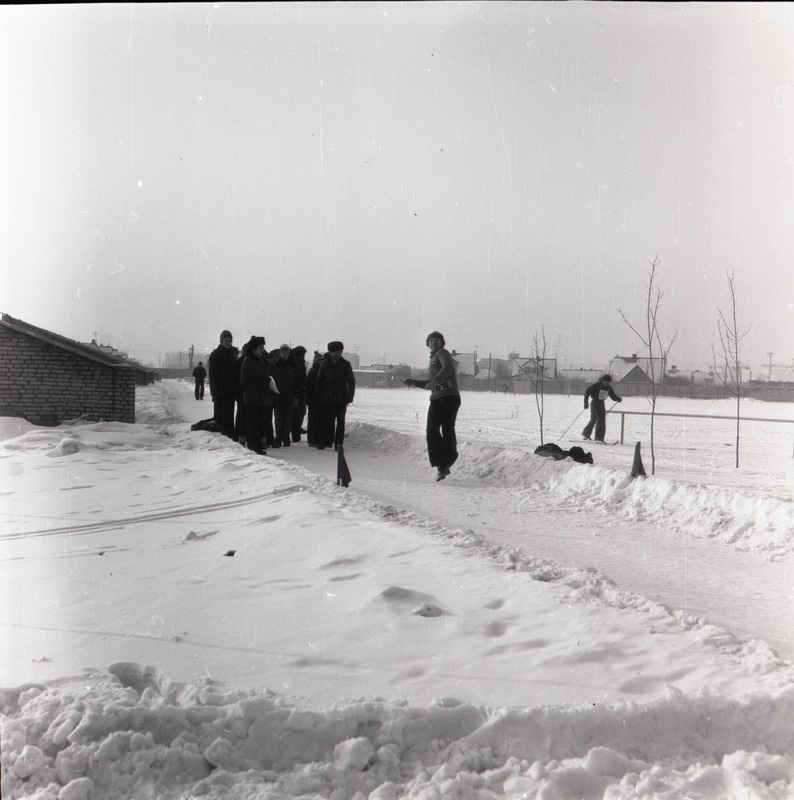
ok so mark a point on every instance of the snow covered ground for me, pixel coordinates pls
(181, 619)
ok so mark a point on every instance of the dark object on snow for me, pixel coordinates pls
(554, 451)
(206, 425)
(343, 477)
(230, 553)
(636, 467)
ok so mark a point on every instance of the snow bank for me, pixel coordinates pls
(130, 732)
(740, 518)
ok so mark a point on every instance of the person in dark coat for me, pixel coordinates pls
(312, 406)
(299, 413)
(596, 395)
(239, 419)
(285, 372)
(223, 384)
(199, 373)
(336, 387)
(257, 395)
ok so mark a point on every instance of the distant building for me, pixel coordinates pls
(531, 366)
(46, 378)
(636, 369)
(467, 362)
(372, 378)
(580, 374)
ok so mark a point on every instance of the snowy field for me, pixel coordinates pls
(182, 619)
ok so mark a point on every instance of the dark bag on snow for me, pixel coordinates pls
(206, 425)
(554, 451)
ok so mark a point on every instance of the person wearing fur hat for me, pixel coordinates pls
(442, 443)
(596, 395)
(223, 383)
(257, 395)
(335, 388)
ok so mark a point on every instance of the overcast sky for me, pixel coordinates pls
(372, 171)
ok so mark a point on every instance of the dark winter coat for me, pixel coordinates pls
(290, 379)
(311, 383)
(255, 381)
(222, 365)
(199, 373)
(336, 384)
(594, 393)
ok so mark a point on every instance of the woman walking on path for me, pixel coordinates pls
(442, 443)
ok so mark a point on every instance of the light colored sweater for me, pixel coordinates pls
(441, 371)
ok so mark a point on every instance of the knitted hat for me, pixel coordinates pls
(256, 341)
(607, 378)
(284, 347)
(334, 346)
(437, 335)
(226, 335)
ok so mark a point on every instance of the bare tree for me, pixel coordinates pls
(651, 338)
(537, 374)
(730, 337)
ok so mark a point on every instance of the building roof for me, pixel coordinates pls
(62, 342)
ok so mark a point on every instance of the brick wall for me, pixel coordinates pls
(47, 385)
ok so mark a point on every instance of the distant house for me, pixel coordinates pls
(524, 367)
(47, 378)
(634, 369)
(467, 362)
(584, 375)
(372, 378)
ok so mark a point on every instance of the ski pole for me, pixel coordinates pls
(571, 425)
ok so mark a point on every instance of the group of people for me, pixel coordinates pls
(273, 392)
(261, 399)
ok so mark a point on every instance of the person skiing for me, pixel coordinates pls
(596, 396)
(199, 373)
(442, 443)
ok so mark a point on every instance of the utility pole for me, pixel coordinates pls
(190, 357)
(770, 366)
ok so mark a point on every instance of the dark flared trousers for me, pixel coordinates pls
(223, 411)
(442, 443)
(331, 424)
(598, 420)
(254, 418)
(283, 416)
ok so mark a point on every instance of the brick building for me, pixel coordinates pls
(47, 378)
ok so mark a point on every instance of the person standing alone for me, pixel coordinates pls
(335, 388)
(222, 365)
(199, 373)
(596, 395)
(442, 443)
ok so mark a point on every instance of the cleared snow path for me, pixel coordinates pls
(741, 591)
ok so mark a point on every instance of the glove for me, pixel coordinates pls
(620, 399)
(408, 381)
(585, 405)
